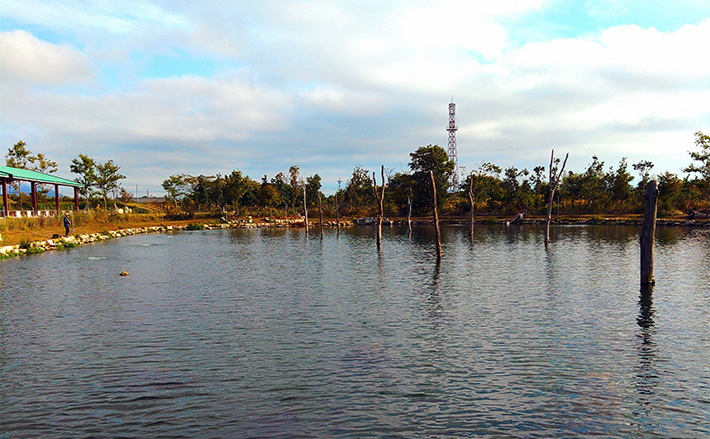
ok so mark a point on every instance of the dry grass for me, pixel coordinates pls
(16, 230)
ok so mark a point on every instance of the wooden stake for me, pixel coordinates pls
(337, 213)
(305, 208)
(409, 214)
(320, 212)
(473, 204)
(380, 202)
(648, 232)
(555, 178)
(437, 232)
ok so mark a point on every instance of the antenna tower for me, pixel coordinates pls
(453, 156)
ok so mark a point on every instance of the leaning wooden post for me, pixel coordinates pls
(380, 203)
(320, 212)
(555, 178)
(437, 232)
(648, 232)
(473, 204)
(305, 208)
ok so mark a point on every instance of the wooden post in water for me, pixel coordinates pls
(648, 232)
(555, 178)
(337, 213)
(437, 232)
(380, 202)
(305, 208)
(473, 204)
(320, 212)
(409, 214)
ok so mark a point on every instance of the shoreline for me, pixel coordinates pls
(62, 243)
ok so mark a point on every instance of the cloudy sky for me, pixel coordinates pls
(177, 86)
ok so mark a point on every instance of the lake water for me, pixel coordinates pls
(264, 333)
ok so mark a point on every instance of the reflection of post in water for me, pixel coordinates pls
(647, 375)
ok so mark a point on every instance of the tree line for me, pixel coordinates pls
(597, 189)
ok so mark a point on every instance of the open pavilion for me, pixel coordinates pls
(9, 175)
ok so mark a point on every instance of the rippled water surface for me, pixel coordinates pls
(264, 333)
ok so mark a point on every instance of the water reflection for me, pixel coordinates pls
(647, 374)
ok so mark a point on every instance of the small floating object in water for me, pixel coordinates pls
(123, 273)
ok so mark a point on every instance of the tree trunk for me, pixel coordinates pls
(648, 232)
(437, 232)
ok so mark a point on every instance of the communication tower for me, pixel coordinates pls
(452, 145)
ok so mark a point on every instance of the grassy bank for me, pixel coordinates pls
(16, 230)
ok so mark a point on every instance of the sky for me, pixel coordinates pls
(167, 87)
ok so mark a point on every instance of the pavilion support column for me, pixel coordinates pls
(76, 199)
(5, 207)
(56, 195)
(34, 198)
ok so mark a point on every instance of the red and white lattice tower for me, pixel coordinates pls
(452, 145)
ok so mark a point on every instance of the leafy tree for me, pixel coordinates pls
(703, 157)
(177, 187)
(19, 156)
(644, 169)
(86, 168)
(430, 158)
(358, 190)
(618, 183)
(313, 185)
(107, 177)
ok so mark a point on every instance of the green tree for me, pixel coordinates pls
(430, 158)
(703, 159)
(107, 178)
(176, 187)
(313, 185)
(85, 167)
(358, 191)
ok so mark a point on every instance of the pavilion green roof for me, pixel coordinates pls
(38, 177)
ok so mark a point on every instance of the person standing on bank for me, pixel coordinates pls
(67, 223)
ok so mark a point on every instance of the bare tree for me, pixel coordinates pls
(555, 178)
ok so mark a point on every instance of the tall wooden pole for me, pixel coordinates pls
(648, 232)
(555, 178)
(305, 208)
(337, 212)
(320, 212)
(380, 202)
(409, 214)
(473, 204)
(437, 232)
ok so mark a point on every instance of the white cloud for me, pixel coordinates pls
(26, 60)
